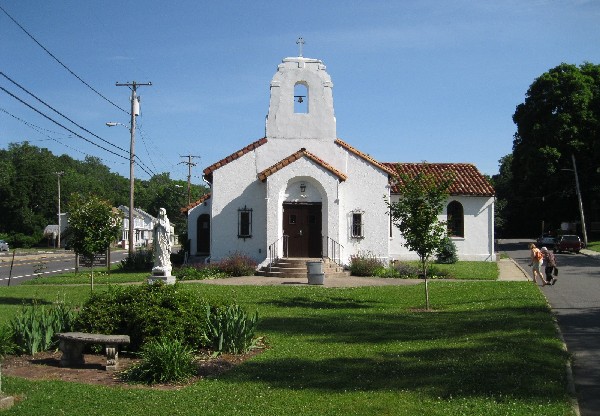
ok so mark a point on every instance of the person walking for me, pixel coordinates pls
(537, 259)
(550, 266)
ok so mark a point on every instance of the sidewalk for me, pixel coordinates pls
(590, 253)
(510, 271)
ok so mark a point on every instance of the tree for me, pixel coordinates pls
(560, 118)
(422, 199)
(93, 225)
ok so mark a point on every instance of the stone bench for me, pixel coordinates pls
(72, 343)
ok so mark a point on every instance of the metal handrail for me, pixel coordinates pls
(274, 250)
(332, 249)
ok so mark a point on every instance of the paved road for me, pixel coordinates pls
(31, 265)
(575, 300)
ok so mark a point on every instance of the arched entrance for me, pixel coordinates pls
(203, 235)
(302, 223)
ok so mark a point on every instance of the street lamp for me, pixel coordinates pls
(574, 170)
(131, 177)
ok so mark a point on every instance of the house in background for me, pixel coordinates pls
(143, 225)
(302, 192)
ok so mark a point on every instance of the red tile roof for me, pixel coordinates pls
(467, 179)
(364, 156)
(236, 155)
(295, 156)
(196, 203)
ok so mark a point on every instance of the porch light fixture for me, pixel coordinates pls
(302, 187)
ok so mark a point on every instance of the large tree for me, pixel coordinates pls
(559, 120)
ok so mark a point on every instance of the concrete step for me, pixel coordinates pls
(296, 268)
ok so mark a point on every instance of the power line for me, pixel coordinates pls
(32, 126)
(58, 112)
(142, 136)
(142, 165)
(59, 124)
(63, 65)
(40, 130)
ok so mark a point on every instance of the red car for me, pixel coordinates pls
(568, 243)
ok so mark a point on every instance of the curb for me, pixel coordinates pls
(527, 277)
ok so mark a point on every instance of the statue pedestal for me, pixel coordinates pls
(162, 276)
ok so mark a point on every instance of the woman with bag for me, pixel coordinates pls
(550, 262)
(537, 259)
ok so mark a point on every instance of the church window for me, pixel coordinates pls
(357, 224)
(300, 98)
(244, 222)
(455, 219)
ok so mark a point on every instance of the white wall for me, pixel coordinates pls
(478, 241)
(364, 190)
(235, 186)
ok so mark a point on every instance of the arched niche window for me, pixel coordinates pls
(300, 98)
(456, 219)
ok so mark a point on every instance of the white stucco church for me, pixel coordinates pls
(302, 192)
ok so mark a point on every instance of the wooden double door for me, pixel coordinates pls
(302, 225)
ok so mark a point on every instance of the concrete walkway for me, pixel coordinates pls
(509, 270)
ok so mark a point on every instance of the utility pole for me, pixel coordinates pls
(189, 176)
(59, 174)
(135, 111)
(585, 241)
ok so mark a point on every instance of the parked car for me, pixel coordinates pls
(3, 245)
(546, 241)
(568, 243)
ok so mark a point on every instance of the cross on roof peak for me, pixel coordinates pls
(300, 43)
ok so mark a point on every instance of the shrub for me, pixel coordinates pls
(399, 270)
(7, 344)
(230, 329)
(141, 261)
(237, 264)
(446, 253)
(34, 326)
(24, 240)
(163, 360)
(406, 270)
(365, 264)
(199, 272)
(178, 258)
(146, 312)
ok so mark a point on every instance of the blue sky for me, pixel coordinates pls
(413, 80)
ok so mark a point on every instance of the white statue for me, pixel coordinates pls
(162, 245)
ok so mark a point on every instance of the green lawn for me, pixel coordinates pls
(469, 270)
(594, 245)
(488, 348)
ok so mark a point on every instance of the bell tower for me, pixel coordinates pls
(301, 104)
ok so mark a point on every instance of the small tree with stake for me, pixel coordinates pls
(93, 226)
(422, 199)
